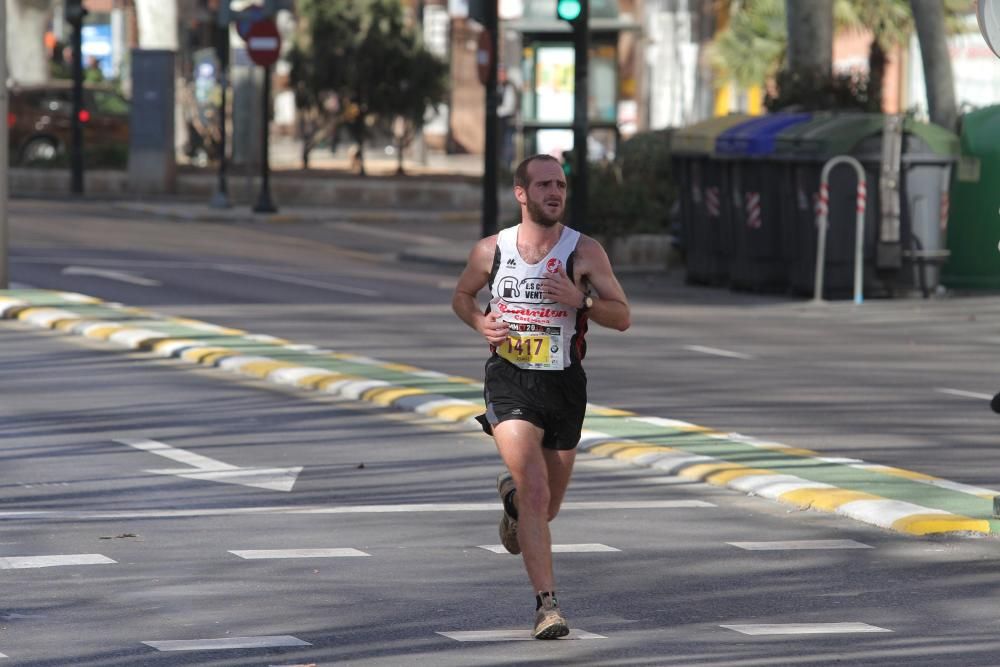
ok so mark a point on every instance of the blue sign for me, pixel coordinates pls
(96, 45)
(246, 19)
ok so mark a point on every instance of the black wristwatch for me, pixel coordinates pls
(588, 303)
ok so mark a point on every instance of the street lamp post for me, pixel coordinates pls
(220, 199)
(490, 204)
(4, 148)
(577, 14)
(74, 13)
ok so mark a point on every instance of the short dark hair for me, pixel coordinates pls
(521, 173)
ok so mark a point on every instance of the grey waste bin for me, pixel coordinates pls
(703, 208)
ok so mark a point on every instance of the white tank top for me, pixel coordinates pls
(544, 335)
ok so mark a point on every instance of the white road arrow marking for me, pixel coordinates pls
(715, 351)
(122, 276)
(204, 468)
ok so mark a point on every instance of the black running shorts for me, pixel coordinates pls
(554, 401)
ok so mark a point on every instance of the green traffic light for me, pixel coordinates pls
(568, 10)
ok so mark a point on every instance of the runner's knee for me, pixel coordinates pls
(533, 499)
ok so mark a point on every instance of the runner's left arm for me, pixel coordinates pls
(610, 307)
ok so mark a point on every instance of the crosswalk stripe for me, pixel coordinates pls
(258, 554)
(803, 628)
(224, 643)
(510, 635)
(26, 562)
(800, 544)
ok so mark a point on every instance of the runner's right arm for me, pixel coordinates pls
(474, 278)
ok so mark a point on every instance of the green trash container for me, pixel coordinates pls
(703, 206)
(974, 222)
(889, 268)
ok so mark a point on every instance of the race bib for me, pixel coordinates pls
(533, 347)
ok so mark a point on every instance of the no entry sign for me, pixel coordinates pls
(263, 42)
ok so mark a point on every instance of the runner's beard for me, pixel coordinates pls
(541, 216)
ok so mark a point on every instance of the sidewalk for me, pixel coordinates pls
(286, 154)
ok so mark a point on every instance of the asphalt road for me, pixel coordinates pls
(113, 460)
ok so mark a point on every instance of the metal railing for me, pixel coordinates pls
(822, 214)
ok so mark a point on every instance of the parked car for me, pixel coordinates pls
(39, 119)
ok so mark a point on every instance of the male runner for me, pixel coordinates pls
(546, 281)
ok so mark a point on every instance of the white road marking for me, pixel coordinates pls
(510, 635)
(800, 544)
(557, 548)
(102, 515)
(257, 554)
(223, 643)
(803, 628)
(345, 289)
(964, 394)
(274, 479)
(717, 352)
(121, 276)
(28, 562)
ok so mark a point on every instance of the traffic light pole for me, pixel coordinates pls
(221, 197)
(264, 203)
(490, 206)
(4, 149)
(581, 49)
(76, 148)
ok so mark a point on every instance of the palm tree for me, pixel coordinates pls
(810, 37)
(751, 49)
(891, 23)
(931, 31)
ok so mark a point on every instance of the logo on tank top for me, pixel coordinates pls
(553, 265)
(511, 263)
(508, 288)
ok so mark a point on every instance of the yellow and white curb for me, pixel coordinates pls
(786, 488)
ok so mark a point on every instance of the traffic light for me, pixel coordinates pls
(568, 10)
(477, 11)
(74, 11)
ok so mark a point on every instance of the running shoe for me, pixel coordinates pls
(549, 621)
(508, 526)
